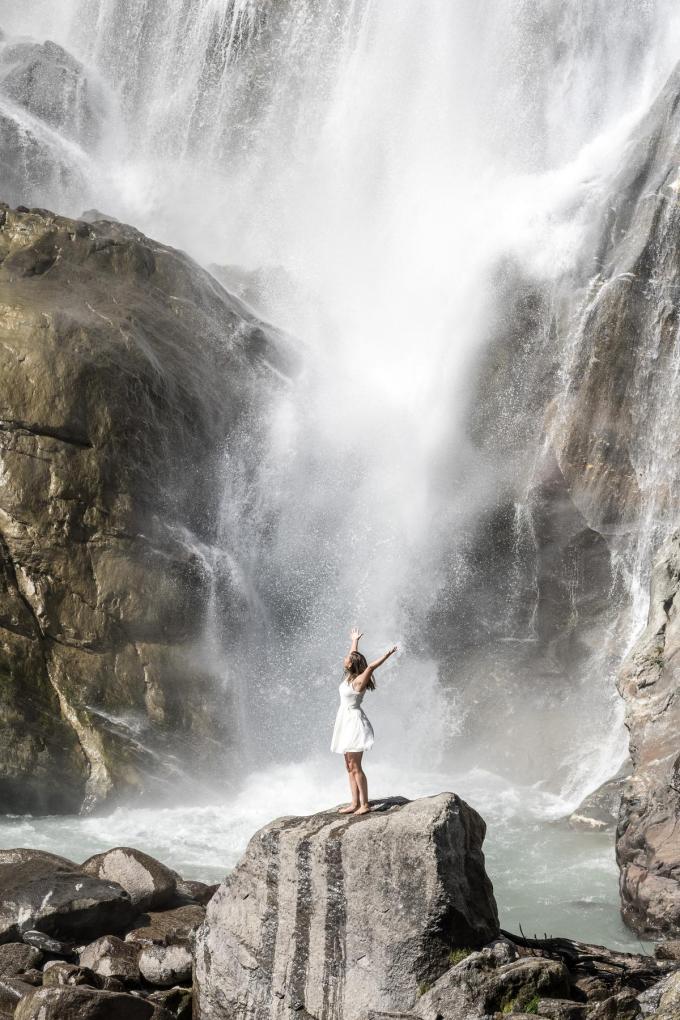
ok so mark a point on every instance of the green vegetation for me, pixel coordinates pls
(456, 955)
(521, 1004)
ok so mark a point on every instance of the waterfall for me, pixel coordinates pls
(393, 169)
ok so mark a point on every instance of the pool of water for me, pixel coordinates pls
(547, 878)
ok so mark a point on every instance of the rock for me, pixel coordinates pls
(623, 1006)
(59, 973)
(47, 102)
(12, 990)
(338, 915)
(149, 883)
(662, 1000)
(129, 367)
(166, 965)
(599, 811)
(477, 986)
(669, 950)
(37, 892)
(33, 976)
(82, 1004)
(94, 215)
(199, 892)
(111, 957)
(648, 835)
(46, 944)
(16, 958)
(168, 927)
(562, 1009)
(51, 85)
(592, 988)
(176, 1000)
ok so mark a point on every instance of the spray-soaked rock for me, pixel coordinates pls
(648, 838)
(126, 367)
(331, 916)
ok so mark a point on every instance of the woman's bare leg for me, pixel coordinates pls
(353, 789)
(361, 782)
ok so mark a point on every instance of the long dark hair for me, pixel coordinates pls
(357, 665)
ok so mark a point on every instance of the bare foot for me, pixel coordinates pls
(349, 810)
(363, 810)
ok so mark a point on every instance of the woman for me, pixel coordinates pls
(353, 733)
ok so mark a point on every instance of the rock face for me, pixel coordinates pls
(600, 809)
(648, 835)
(125, 368)
(50, 113)
(331, 915)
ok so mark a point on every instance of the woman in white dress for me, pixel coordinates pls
(353, 733)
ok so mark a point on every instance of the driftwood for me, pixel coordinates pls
(631, 970)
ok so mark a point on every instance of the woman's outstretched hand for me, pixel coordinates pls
(355, 634)
(390, 652)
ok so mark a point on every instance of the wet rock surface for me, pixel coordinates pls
(129, 367)
(599, 811)
(648, 836)
(334, 915)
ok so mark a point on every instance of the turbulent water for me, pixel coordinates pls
(380, 162)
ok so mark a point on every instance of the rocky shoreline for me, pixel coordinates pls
(335, 918)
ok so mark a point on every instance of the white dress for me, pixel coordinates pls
(353, 731)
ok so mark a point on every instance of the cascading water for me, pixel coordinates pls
(388, 159)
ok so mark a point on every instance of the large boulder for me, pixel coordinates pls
(149, 884)
(55, 898)
(332, 915)
(648, 835)
(126, 369)
(77, 1003)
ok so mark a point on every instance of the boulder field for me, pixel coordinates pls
(326, 916)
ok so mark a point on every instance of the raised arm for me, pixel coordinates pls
(361, 682)
(355, 635)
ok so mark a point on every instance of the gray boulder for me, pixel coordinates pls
(70, 1003)
(36, 892)
(149, 884)
(16, 958)
(648, 836)
(176, 1000)
(166, 965)
(112, 957)
(332, 915)
(168, 927)
(57, 973)
(12, 991)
